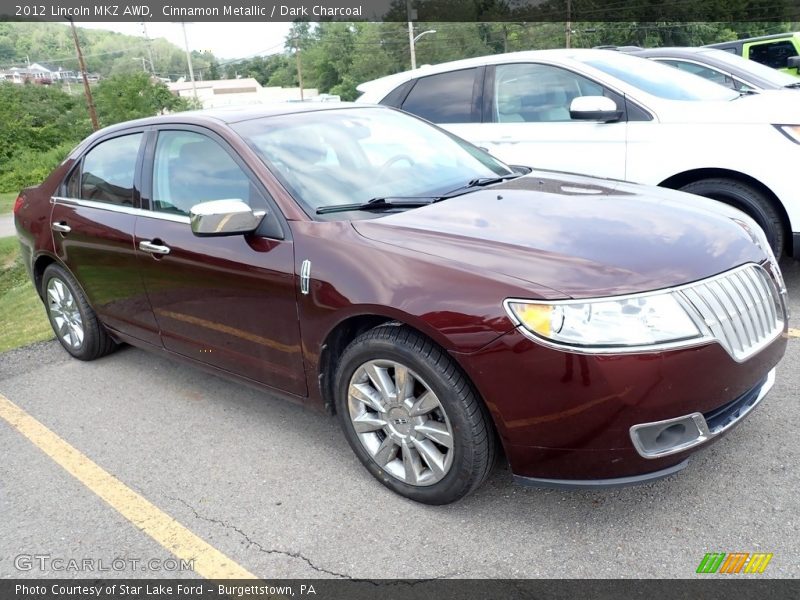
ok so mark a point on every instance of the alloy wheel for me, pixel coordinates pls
(66, 317)
(400, 422)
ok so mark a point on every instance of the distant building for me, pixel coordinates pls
(39, 73)
(228, 92)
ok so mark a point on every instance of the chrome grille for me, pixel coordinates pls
(742, 309)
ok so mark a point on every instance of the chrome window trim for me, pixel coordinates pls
(128, 210)
(705, 336)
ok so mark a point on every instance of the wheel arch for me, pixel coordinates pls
(679, 180)
(41, 263)
(348, 329)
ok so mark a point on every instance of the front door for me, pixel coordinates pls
(229, 302)
(528, 122)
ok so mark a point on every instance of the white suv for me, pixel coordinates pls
(608, 114)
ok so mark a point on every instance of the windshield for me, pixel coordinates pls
(658, 80)
(351, 155)
(774, 76)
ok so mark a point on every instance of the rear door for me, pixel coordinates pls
(229, 302)
(93, 220)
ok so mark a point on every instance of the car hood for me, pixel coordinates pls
(581, 236)
(765, 107)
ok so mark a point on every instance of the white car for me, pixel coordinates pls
(613, 115)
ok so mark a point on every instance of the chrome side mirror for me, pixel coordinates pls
(224, 217)
(594, 108)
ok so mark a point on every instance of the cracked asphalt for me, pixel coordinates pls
(276, 488)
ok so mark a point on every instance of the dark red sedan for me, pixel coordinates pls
(359, 260)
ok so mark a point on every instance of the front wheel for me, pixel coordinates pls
(749, 200)
(412, 417)
(74, 322)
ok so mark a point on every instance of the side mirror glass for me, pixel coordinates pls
(793, 62)
(594, 108)
(224, 217)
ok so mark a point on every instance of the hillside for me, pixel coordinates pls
(106, 52)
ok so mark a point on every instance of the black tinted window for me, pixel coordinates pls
(108, 170)
(443, 98)
(191, 168)
(774, 54)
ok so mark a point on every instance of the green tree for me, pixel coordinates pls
(125, 97)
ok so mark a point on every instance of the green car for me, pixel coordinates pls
(779, 51)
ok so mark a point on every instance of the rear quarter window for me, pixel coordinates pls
(443, 98)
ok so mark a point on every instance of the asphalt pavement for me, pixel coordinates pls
(276, 489)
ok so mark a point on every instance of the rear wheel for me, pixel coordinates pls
(747, 199)
(412, 417)
(74, 322)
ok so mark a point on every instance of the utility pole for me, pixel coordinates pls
(86, 89)
(299, 65)
(569, 25)
(410, 14)
(189, 62)
(149, 49)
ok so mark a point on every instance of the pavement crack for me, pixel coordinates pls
(257, 545)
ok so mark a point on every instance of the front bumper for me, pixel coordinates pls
(698, 429)
(566, 419)
(672, 436)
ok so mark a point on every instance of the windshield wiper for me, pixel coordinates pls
(380, 204)
(478, 182)
(415, 201)
(793, 85)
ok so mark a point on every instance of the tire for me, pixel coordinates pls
(747, 199)
(444, 444)
(74, 322)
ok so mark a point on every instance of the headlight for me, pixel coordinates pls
(790, 131)
(606, 323)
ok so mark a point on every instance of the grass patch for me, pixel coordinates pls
(7, 201)
(22, 316)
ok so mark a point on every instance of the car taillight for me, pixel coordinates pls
(17, 204)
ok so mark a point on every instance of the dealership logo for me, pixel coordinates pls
(734, 562)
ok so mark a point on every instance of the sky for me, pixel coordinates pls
(225, 40)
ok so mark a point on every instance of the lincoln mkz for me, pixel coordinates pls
(445, 306)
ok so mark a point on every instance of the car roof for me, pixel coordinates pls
(760, 38)
(673, 50)
(391, 81)
(235, 114)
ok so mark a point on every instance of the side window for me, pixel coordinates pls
(530, 93)
(443, 98)
(108, 170)
(773, 54)
(704, 72)
(73, 187)
(190, 168)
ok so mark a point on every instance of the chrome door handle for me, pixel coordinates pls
(153, 248)
(61, 227)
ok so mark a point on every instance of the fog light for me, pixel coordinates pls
(671, 436)
(654, 440)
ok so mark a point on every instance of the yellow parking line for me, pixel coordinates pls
(208, 561)
(794, 332)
